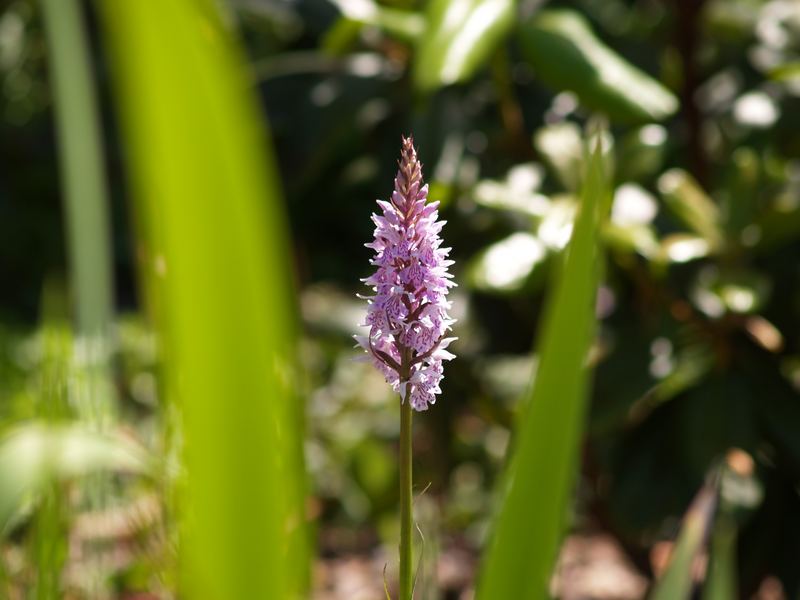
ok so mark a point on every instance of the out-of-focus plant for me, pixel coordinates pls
(541, 471)
(209, 211)
(696, 351)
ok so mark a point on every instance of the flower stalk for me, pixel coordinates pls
(407, 316)
(406, 577)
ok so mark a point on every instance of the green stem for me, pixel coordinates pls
(406, 581)
(81, 162)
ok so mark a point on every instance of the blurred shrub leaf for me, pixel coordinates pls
(518, 192)
(541, 471)
(459, 38)
(640, 153)
(691, 206)
(507, 265)
(566, 55)
(683, 247)
(402, 24)
(561, 146)
(32, 455)
(738, 291)
(629, 228)
(778, 225)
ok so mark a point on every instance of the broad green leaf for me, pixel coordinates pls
(541, 473)
(676, 583)
(206, 196)
(459, 37)
(34, 454)
(567, 55)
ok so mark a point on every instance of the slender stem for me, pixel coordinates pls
(406, 582)
(81, 158)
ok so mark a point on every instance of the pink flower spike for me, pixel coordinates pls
(407, 315)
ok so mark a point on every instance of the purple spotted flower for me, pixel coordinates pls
(407, 315)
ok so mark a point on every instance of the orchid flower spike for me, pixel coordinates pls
(407, 314)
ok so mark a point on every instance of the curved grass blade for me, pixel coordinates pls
(542, 470)
(206, 195)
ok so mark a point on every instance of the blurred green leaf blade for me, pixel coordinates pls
(541, 473)
(676, 583)
(207, 198)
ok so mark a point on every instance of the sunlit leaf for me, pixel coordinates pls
(567, 55)
(541, 472)
(459, 37)
(206, 198)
